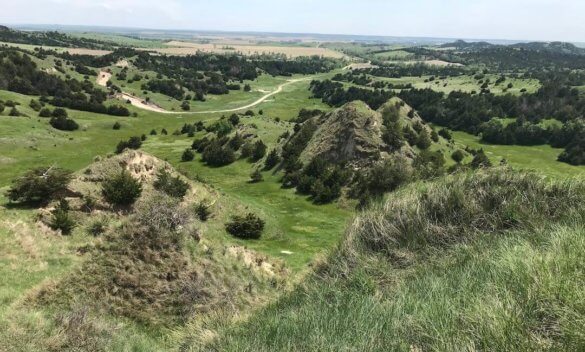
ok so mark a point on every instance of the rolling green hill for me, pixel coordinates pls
(379, 230)
(489, 261)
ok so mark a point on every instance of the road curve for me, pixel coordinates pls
(140, 103)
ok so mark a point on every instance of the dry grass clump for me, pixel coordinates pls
(455, 208)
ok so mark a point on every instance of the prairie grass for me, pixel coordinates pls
(490, 262)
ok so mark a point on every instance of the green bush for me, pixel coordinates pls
(272, 159)
(445, 134)
(256, 176)
(458, 156)
(188, 155)
(60, 113)
(424, 140)
(234, 119)
(258, 151)
(61, 219)
(45, 112)
(40, 185)
(173, 186)
(215, 154)
(480, 160)
(132, 143)
(121, 189)
(202, 211)
(63, 124)
(98, 226)
(249, 226)
(35, 105)
(236, 142)
(429, 164)
(246, 150)
(14, 112)
(384, 177)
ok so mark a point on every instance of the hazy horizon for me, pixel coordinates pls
(520, 20)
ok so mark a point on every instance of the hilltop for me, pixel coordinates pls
(354, 133)
(156, 263)
(547, 47)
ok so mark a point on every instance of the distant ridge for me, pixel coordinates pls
(551, 47)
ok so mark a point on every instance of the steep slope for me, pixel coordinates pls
(353, 133)
(489, 261)
(153, 265)
(350, 133)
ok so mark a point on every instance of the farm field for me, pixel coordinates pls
(188, 48)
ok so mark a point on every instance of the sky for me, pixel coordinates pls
(545, 20)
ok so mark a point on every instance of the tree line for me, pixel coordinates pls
(20, 74)
(472, 113)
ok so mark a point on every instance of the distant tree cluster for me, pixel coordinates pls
(19, 73)
(473, 113)
(132, 143)
(51, 38)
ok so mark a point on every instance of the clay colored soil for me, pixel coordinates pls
(103, 78)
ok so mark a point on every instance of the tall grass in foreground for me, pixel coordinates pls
(492, 261)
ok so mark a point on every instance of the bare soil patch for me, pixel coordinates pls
(103, 78)
(82, 51)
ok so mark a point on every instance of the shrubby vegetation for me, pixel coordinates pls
(249, 226)
(39, 186)
(51, 38)
(473, 246)
(61, 219)
(217, 154)
(63, 123)
(132, 143)
(19, 73)
(217, 74)
(474, 113)
(173, 186)
(121, 189)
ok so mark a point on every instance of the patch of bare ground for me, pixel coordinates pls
(82, 51)
(141, 103)
(360, 66)
(103, 78)
(433, 63)
(122, 63)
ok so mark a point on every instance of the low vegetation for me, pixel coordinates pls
(249, 226)
(121, 189)
(211, 193)
(484, 261)
(39, 185)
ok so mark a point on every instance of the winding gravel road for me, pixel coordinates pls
(140, 103)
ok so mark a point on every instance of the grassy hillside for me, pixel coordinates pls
(541, 158)
(473, 262)
(478, 260)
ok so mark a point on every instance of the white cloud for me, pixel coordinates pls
(475, 19)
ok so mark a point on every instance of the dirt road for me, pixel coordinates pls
(138, 102)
